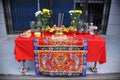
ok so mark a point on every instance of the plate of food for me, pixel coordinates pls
(26, 34)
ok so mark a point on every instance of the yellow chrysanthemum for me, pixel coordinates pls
(78, 11)
(46, 11)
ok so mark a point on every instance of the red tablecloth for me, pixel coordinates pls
(96, 48)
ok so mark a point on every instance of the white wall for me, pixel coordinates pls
(2, 20)
(114, 18)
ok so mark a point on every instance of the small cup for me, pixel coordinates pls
(37, 34)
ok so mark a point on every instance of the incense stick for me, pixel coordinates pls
(62, 17)
(59, 18)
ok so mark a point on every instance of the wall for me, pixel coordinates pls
(2, 20)
(114, 18)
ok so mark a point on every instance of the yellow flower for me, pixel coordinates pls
(78, 11)
(46, 11)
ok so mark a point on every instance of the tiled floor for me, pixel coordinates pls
(8, 64)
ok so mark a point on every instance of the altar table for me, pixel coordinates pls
(24, 47)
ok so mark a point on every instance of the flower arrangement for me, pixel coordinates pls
(43, 17)
(76, 22)
(75, 16)
(75, 25)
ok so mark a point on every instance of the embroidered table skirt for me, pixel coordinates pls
(59, 59)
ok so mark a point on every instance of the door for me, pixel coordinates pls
(21, 12)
